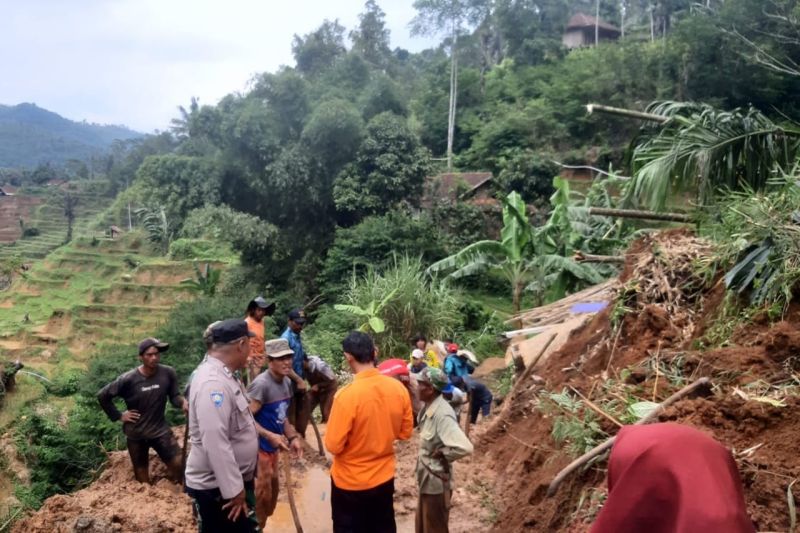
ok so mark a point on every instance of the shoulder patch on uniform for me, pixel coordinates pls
(217, 397)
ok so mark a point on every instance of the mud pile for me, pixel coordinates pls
(667, 309)
(116, 502)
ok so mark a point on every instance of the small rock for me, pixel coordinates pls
(46, 354)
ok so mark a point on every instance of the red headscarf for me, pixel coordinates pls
(668, 478)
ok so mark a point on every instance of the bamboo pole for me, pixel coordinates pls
(581, 257)
(601, 448)
(632, 213)
(629, 113)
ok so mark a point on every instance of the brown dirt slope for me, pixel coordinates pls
(756, 392)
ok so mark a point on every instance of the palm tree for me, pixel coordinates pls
(705, 150)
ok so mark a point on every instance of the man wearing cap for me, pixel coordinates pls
(299, 409)
(257, 309)
(441, 442)
(368, 415)
(221, 467)
(270, 394)
(145, 390)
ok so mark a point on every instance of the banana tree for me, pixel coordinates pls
(537, 259)
(205, 281)
(370, 313)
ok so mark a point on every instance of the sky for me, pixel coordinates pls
(133, 62)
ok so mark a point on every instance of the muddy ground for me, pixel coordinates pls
(116, 503)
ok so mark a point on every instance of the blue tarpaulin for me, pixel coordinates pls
(588, 307)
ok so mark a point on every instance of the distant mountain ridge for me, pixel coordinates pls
(30, 135)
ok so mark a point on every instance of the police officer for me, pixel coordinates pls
(224, 445)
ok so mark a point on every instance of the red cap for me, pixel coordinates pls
(452, 347)
(393, 368)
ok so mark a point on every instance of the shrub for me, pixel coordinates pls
(419, 305)
(201, 249)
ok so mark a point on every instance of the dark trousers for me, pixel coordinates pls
(433, 513)
(480, 399)
(299, 412)
(363, 511)
(211, 518)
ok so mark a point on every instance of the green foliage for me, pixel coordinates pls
(373, 243)
(251, 236)
(756, 236)
(412, 304)
(324, 336)
(206, 280)
(333, 132)
(573, 425)
(388, 170)
(706, 151)
(179, 183)
(370, 313)
(194, 249)
(159, 228)
(319, 50)
(526, 172)
(460, 223)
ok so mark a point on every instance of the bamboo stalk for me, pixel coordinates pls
(633, 213)
(601, 448)
(581, 257)
(629, 113)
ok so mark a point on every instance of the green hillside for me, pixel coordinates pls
(30, 135)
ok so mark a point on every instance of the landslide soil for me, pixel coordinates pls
(519, 449)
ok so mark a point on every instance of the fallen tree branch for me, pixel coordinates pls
(581, 257)
(633, 213)
(601, 448)
(629, 113)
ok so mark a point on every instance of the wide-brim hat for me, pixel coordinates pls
(261, 302)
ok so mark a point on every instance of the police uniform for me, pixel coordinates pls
(224, 448)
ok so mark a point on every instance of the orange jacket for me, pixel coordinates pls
(368, 415)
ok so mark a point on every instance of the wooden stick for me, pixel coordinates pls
(184, 451)
(319, 438)
(629, 113)
(581, 257)
(594, 407)
(469, 414)
(287, 470)
(632, 213)
(529, 370)
(601, 448)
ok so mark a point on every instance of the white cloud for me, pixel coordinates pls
(134, 61)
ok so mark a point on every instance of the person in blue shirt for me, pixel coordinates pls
(300, 407)
(458, 368)
(455, 365)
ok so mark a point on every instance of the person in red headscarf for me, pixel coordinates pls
(669, 478)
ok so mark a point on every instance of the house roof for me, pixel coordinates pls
(450, 181)
(582, 20)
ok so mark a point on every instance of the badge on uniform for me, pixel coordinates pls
(217, 398)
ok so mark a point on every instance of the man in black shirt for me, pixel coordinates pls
(145, 390)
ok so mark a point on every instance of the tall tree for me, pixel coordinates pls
(449, 17)
(319, 50)
(371, 38)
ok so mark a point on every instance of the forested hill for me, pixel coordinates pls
(30, 135)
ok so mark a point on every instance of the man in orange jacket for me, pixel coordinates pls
(368, 415)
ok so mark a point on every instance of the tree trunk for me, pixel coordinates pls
(597, 23)
(451, 118)
(629, 113)
(652, 26)
(632, 213)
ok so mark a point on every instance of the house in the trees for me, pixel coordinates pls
(581, 31)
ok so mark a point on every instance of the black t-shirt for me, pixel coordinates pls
(148, 395)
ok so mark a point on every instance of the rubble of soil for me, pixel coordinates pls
(668, 307)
